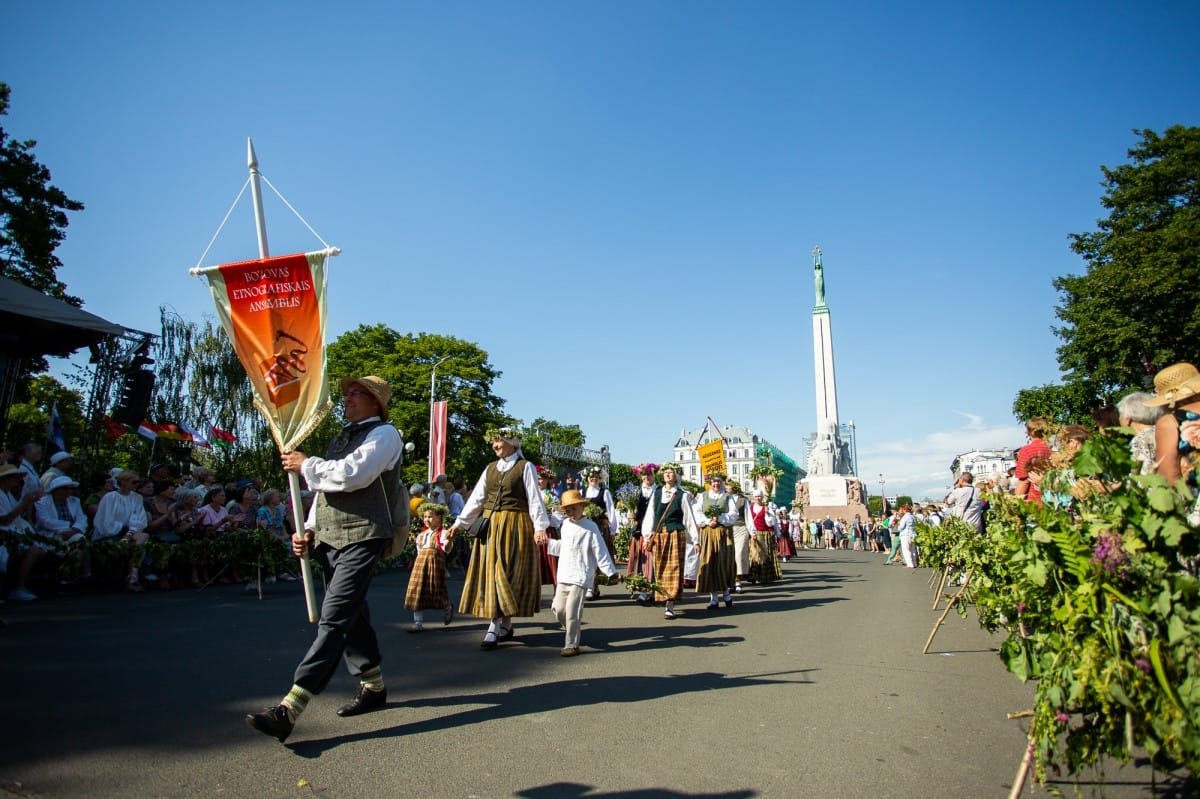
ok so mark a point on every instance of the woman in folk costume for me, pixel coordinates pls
(669, 531)
(797, 526)
(602, 498)
(548, 563)
(764, 562)
(640, 560)
(783, 542)
(741, 537)
(716, 513)
(503, 579)
(427, 583)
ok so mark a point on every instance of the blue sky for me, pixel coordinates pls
(618, 200)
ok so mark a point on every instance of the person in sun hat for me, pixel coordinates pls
(581, 551)
(503, 579)
(1177, 432)
(14, 504)
(60, 464)
(716, 513)
(357, 485)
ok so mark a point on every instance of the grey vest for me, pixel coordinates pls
(348, 517)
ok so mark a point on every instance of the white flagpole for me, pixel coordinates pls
(260, 225)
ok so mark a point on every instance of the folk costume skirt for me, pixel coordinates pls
(503, 578)
(783, 547)
(764, 564)
(640, 560)
(547, 563)
(741, 548)
(427, 583)
(666, 553)
(716, 572)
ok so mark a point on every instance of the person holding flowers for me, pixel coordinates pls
(640, 560)
(606, 520)
(427, 583)
(503, 578)
(669, 529)
(716, 571)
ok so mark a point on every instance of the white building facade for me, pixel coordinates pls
(984, 464)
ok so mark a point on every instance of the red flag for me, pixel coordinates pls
(112, 428)
(222, 438)
(438, 416)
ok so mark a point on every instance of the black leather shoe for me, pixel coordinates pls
(729, 602)
(274, 721)
(505, 633)
(364, 701)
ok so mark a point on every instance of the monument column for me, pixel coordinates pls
(827, 412)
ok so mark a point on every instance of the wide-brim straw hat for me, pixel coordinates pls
(8, 470)
(376, 386)
(1175, 383)
(572, 497)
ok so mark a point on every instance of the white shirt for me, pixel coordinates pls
(9, 503)
(727, 519)
(533, 495)
(580, 551)
(47, 515)
(117, 510)
(380, 450)
(592, 492)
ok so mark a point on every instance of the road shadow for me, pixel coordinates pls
(572, 790)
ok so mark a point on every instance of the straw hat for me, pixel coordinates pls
(376, 386)
(572, 497)
(1175, 383)
(8, 470)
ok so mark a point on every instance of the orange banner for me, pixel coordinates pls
(712, 457)
(273, 310)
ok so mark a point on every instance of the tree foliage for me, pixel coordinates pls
(1063, 404)
(1133, 311)
(33, 216)
(406, 362)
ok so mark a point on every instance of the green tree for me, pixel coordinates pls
(33, 216)
(28, 420)
(406, 362)
(1133, 311)
(539, 429)
(1064, 404)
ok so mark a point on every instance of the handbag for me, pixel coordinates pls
(479, 528)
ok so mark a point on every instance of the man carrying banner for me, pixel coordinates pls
(346, 531)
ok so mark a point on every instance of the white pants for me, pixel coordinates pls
(567, 608)
(908, 550)
(741, 549)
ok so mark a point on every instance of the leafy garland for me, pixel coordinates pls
(1101, 607)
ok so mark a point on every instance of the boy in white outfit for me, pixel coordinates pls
(580, 551)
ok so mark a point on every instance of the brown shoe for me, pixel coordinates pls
(570, 652)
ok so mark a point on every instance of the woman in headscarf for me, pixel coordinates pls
(503, 579)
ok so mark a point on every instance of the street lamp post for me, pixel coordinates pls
(882, 494)
(432, 399)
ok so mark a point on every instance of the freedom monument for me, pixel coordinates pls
(830, 487)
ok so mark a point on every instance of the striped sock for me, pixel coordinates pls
(372, 679)
(296, 700)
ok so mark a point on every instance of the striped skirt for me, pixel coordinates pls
(427, 583)
(716, 571)
(640, 560)
(666, 556)
(503, 578)
(764, 563)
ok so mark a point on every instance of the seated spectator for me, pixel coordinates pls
(60, 517)
(17, 529)
(243, 511)
(121, 515)
(60, 465)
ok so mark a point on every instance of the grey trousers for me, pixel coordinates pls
(568, 611)
(344, 631)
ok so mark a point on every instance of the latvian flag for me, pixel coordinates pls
(222, 438)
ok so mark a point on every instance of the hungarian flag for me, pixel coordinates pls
(222, 438)
(438, 414)
(198, 438)
(273, 310)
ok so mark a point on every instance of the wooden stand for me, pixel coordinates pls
(949, 606)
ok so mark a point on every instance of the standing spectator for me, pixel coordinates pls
(1177, 432)
(503, 578)
(966, 501)
(908, 537)
(458, 498)
(350, 523)
(1136, 414)
(1036, 429)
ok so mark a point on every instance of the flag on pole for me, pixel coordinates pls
(112, 428)
(222, 438)
(54, 430)
(438, 417)
(884, 511)
(198, 438)
(148, 430)
(273, 310)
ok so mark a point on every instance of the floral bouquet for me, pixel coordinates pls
(714, 512)
(627, 497)
(637, 584)
(645, 468)
(593, 511)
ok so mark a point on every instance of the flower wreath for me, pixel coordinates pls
(547, 472)
(502, 434)
(593, 470)
(645, 468)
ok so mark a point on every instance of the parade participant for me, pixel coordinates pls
(599, 495)
(580, 551)
(764, 562)
(350, 522)
(427, 583)
(502, 578)
(640, 561)
(741, 537)
(548, 563)
(670, 530)
(716, 574)
(796, 526)
(783, 542)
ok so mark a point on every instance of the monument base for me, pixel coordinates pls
(837, 496)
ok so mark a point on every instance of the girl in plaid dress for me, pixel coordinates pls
(427, 583)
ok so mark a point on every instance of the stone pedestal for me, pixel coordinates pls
(835, 495)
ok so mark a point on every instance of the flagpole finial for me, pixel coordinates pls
(251, 156)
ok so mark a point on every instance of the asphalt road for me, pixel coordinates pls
(811, 687)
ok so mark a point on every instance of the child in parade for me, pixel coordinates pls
(581, 551)
(427, 584)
